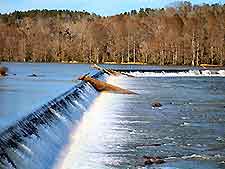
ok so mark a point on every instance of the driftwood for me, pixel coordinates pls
(100, 68)
(103, 86)
(110, 71)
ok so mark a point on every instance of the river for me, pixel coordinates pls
(106, 130)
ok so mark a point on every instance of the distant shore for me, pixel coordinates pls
(204, 66)
(181, 35)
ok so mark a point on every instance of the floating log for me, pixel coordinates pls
(3, 71)
(110, 71)
(103, 86)
(102, 69)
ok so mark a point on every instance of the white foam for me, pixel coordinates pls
(89, 136)
(190, 73)
(196, 156)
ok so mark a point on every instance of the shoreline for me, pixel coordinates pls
(113, 63)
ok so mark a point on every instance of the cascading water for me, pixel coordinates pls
(36, 140)
(189, 73)
(118, 130)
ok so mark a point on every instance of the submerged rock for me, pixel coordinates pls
(156, 104)
(148, 160)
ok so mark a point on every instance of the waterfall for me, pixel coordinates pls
(36, 140)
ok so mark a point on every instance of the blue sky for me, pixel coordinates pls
(101, 7)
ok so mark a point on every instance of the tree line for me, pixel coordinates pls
(182, 34)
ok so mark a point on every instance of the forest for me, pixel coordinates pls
(182, 34)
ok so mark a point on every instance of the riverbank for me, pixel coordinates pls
(124, 63)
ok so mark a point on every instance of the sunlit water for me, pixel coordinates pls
(106, 130)
(120, 129)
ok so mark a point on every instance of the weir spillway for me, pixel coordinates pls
(85, 129)
(36, 140)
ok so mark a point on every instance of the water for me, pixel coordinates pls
(92, 130)
(188, 73)
(20, 94)
(189, 126)
(35, 139)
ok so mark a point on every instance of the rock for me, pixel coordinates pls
(156, 104)
(32, 75)
(148, 160)
(3, 71)
(155, 144)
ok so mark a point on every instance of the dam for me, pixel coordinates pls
(83, 128)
